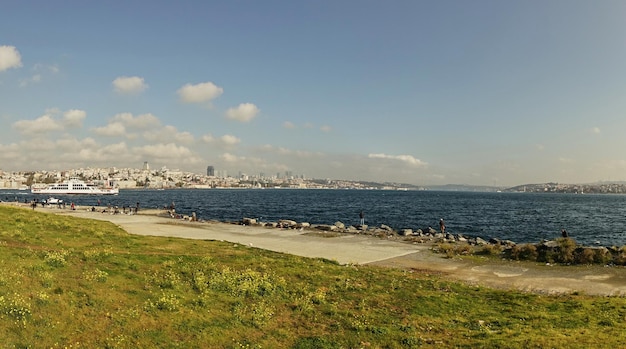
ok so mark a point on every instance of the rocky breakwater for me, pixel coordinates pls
(427, 235)
(562, 250)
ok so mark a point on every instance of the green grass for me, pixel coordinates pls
(69, 282)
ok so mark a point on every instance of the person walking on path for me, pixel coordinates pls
(362, 217)
(442, 226)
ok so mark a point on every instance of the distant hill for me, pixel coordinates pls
(463, 187)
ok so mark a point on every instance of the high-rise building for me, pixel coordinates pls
(210, 171)
(146, 167)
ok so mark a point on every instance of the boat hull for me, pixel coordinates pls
(74, 186)
(113, 191)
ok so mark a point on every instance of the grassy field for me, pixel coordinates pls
(74, 283)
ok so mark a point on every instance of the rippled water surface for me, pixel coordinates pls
(521, 217)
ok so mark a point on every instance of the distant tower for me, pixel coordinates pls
(210, 171)
(146, 166)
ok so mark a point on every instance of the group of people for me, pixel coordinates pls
(126, 209)
(60, 204)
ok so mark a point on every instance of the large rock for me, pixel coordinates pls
(385, 227)
(406, 232)
(287, 223)
(480, 242)
(326, 227)
(352, 229)
(494, 241)
(340, 225)
(550, 244)
(303, 225)
(248, 221)
(508, 243)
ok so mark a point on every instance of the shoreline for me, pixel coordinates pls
(361, 249)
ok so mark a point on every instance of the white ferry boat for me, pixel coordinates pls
(74, 186)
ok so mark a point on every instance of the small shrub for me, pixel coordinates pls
(56, 258)
(96, 254)
(200, 282)
(96, 275)
(524, 252)
(15, 307)
(565, 252)
(619, 255)
(491, 250)
(602, 256)
(446, 249)
(259, 314)
(584, 255)
(246, 283)
(168, 279)
(45, 279)
(42, 298)
(463, 249)
(167, 302)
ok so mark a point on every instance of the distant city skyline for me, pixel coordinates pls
(420, 92)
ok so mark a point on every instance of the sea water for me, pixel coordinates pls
(520, 217)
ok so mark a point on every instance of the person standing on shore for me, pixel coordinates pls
(362, 218)
(442, 226)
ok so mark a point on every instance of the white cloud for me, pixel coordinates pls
(73, 144)
(199, 93)
(244, 112)
(74, 117)
(142, 121)
(47, 123)
(46, 68)
(9, 58)
(595, 130)
(231, 158)
(129, 85)
(224, 141)
(40, 125)
(326, 128)
(168, 134)
(116, 152)
(230, 140)
(408, 159)
(39, 70)
(165, 151)
(113, 129)
(10, 152)
(302, 154)
(289, 125)
(36, 78)
(184, 137)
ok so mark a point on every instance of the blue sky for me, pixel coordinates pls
(421, 92)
